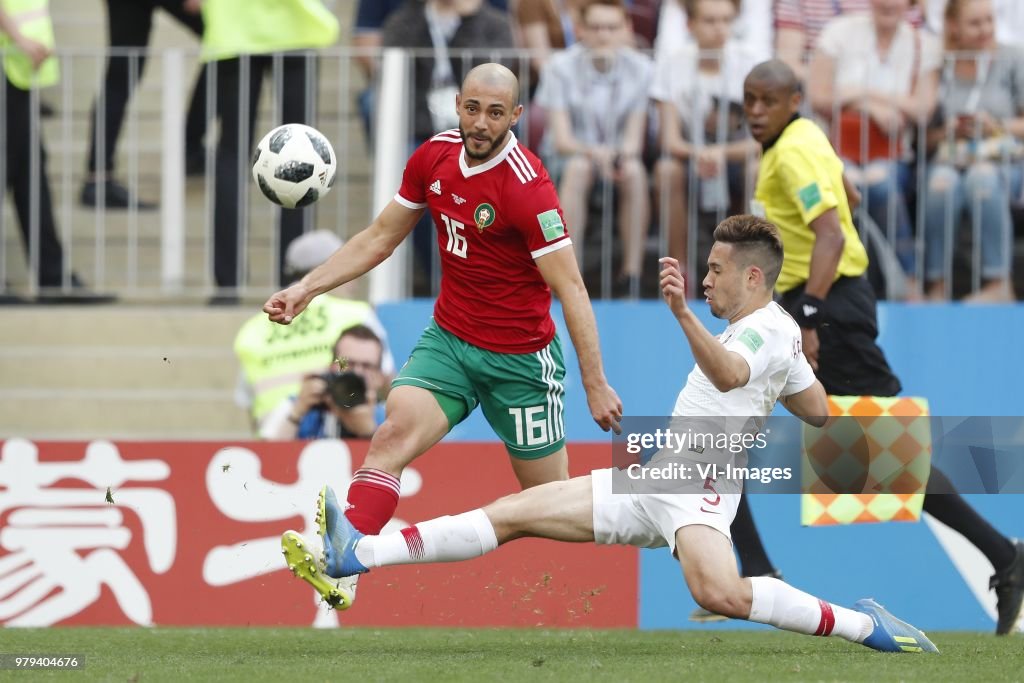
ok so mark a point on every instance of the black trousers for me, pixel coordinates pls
(130, 23)
(239, 82)
(18, 145)
(850, 362)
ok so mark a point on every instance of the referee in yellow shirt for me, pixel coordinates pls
(800, 188)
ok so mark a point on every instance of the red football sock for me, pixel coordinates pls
(372, 499)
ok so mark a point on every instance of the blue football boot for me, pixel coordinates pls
(891, 634)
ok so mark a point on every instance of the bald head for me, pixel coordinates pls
(493, 76)
(775, 74)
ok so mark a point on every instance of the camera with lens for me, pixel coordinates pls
(346, 389)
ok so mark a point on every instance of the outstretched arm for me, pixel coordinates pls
(810, 405)
(725, 369)
(357, 257)
(562, 275)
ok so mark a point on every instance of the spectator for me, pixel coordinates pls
(545, 27)
(274, 359)
(242, 37)
(129, 24)
(340, 404)
(370, 18)
(699, 94)
(874, 77)
(1008, 14)
(799, 22)
(752, 28)
(27, 44)
(443, 25)
(595, 94)
(977, 167)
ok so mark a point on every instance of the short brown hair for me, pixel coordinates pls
(757, 239)
(691, 7)
(587, 4)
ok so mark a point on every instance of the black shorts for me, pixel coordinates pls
(850, 362)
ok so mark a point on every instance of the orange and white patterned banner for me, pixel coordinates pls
(870, 465)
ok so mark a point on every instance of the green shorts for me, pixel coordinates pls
(521, 394)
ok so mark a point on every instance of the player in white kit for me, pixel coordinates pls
(740, 374)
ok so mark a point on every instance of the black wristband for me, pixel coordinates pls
(808, 311)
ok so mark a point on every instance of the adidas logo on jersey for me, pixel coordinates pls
(435, 187)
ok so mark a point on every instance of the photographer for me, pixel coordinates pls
(341, 403)
(274, 360)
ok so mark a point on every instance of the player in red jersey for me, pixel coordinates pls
(504, 248)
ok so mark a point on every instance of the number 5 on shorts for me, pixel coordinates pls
(531, 430)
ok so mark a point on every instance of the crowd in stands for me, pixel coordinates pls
(636, 108)
(640, 106)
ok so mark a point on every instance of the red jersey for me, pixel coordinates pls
(492, 221)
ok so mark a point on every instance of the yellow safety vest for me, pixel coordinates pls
(275, 357)
(33, 20)
(236, 27)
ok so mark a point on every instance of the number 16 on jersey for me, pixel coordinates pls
(456, 240)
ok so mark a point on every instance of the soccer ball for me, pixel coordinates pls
(294, 165)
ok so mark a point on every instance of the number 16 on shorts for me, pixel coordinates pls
(532, 425)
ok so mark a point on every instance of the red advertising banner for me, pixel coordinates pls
(187, 533)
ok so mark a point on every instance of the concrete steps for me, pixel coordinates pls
(138, 368)
(120, 372)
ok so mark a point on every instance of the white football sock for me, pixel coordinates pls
(445, 539)
(777, 603)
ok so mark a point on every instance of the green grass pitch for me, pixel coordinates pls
(365, 654)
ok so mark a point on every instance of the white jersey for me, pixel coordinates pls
(648, 514)
(770, 341)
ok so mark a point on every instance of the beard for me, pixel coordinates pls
(488, 151)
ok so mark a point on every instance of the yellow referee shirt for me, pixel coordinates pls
(801, 178)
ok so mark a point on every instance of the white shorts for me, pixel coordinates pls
(650, 520)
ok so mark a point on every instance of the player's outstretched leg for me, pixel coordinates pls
(714, 581)
(337, 561)
(561, 510)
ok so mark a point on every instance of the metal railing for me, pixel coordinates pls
(169, 254)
